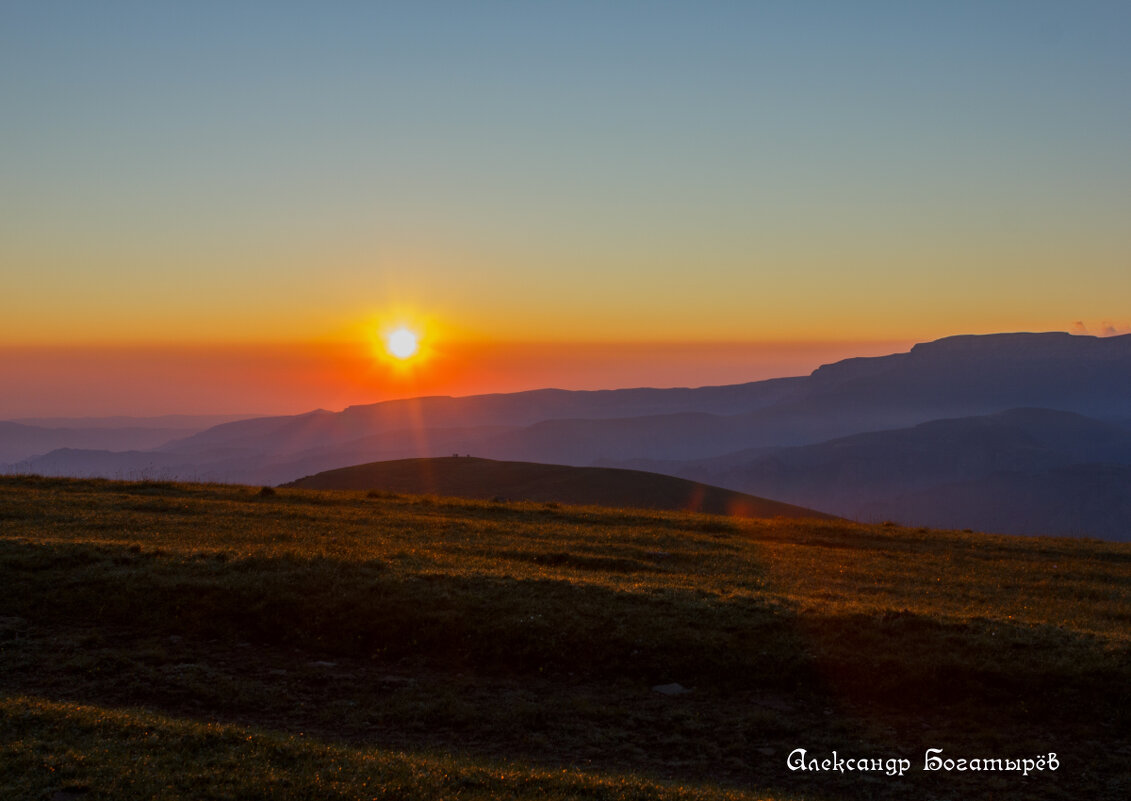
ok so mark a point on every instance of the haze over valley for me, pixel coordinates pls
(1013, 433)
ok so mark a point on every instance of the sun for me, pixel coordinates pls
(402, 343)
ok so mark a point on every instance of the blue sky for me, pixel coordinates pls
(616, 170)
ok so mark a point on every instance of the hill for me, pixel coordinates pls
(1022, 471)
(469, 477)
(190, 641)
(1078, 500)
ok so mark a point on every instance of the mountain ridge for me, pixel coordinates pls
(681, 430)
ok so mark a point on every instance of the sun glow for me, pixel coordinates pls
(402, 343)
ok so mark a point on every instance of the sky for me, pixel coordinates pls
(220, 204)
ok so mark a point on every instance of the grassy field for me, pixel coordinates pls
(205, 641)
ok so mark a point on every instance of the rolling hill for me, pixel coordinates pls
(469, 477)
(1021, 471)
(1078, 500)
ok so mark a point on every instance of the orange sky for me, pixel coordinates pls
(184, 187)
(286, 379)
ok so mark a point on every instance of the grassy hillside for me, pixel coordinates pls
(469, 477)
(207, 641)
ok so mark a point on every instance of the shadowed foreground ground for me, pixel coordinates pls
(204, 641)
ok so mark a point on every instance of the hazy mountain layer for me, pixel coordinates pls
(1092, 500)
(19, 441)
(862, 437)
(954, 377)
(947, 473)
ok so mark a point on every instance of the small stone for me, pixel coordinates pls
(323, 664)
(670, 689)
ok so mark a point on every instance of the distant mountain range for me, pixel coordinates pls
(470, 477)
(938, 473)
(31, 436)
(918, 437)
(19, 441)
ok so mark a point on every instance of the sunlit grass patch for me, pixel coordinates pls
(57, 749)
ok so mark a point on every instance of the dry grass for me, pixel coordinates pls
(94, 753)
(533, 632)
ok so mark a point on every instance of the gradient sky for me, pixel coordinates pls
(274, 174)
